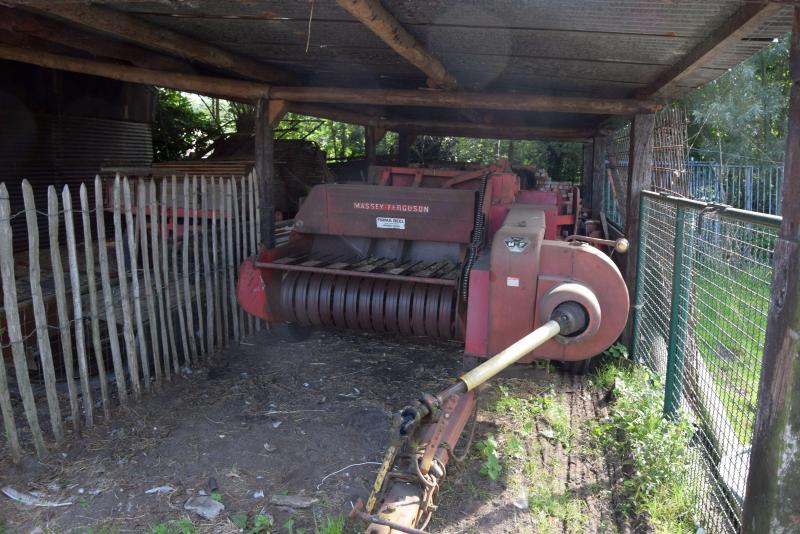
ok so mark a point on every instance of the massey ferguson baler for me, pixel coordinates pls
(463, 255)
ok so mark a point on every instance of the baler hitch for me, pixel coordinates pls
(408, 480)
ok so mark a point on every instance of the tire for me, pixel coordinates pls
(580, 367)
(290, 332)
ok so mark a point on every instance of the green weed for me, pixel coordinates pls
(262, 523)
(331, 525)
(652, 449)
(181, 526)
(491, 466)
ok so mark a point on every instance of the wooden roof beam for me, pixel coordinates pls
(377, 18)
(245, 90)
(128, 27)
(23, 24)
(744, 21)
(442, 128)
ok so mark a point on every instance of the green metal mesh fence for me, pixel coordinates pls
(702, 298)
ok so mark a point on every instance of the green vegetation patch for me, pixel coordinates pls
(653, 451)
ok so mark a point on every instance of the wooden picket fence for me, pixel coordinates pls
(167, 280)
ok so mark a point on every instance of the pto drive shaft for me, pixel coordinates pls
(567, 319)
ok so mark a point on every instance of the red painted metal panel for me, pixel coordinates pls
(411, 213)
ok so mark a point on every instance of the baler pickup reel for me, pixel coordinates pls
(460, 255)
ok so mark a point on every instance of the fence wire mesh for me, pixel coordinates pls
(702, 301)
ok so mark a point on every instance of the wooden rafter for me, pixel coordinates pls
(377, 18)
(128, 27)
(439, 127)
(744, 21)
(244, 90)
(22, 24)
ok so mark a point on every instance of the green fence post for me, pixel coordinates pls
(677, 323)
(640, 257)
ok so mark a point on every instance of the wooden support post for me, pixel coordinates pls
(277, 111)
(772, 500)
(599, 147)
(370, 144)
(639, 176)
(404, 148)
(265, 172)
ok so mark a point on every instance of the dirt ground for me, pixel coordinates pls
(312, 419)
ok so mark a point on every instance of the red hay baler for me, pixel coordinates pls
(463, 255)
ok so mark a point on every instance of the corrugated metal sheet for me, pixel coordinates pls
(59, 150)
(581, 47)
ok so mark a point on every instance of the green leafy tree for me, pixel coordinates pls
(742, 116)
(180, 131)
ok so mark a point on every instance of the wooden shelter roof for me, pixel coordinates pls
(593, 50)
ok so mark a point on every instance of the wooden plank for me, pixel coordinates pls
(131, 234)
(179, 301)
(77, 307)
(215, 261)
(40, 316)
(14, 331)
(133, 29)
(165, 266)
(251, 186)
(749, 17)
(144, 244)
(231, 266)
(108, 296)
(243, 90)
(122, 279)
(245, 254)
(197, 267)
(238, 259)
(770, 503)
(97, 346)
(164, 321)
(187, 292)
(382, 23)
(497, 129)
(206, 266)
(640, 166)
(30, 25)
(7, 410)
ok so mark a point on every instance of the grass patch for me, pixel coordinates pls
(566, 508)
(515, 451)
(331, 525)
(653, 451)
(180, 526)
(730, 322)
